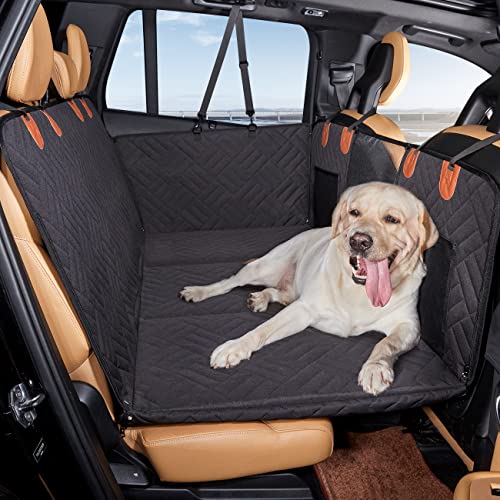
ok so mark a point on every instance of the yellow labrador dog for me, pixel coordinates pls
(364, 275)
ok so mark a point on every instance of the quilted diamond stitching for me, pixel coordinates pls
(91, 228)
(470, 221)
(246, 180)
(293, 378)
(177, 350)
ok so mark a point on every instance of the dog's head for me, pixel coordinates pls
(383, 230)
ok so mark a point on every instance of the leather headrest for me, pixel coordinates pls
(385, 76)
(486, 98)
(400, 66)
(64, 75)
(30, 74)
(78, 51)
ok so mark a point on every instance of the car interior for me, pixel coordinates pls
(113, 210)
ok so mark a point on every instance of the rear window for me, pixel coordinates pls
(435, 94)
(187, 45)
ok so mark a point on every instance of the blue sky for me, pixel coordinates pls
(188, 44)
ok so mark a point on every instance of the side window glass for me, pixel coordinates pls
(187, 48)
(126, 86)
(432, 100)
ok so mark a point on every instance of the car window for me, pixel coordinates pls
(187, 48)
(434, 95)
(126, 87)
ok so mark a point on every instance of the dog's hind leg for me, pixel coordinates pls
(268, 271)
(259, 301)
(283, 293)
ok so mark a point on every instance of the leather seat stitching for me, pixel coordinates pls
(208, 435)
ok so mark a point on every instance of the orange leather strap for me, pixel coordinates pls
(86, 107)
(346, 139)
(325, 134)
(410, 162)
(448, 180)
(30, 124)
(53, 124)
(76, 110)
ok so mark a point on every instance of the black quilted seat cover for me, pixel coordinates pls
(246, 179)
(366, 161)
(155, 349)
(309, 374)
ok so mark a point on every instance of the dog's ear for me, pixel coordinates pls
(428, 231)
(339, 217)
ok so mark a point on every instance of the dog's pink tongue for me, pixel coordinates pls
(378, 282)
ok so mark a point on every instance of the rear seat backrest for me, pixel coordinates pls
(59, 313)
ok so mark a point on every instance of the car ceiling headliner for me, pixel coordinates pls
(374, 18)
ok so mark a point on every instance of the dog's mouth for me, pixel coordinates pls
(375, 276)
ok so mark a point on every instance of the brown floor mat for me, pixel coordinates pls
(379, 465)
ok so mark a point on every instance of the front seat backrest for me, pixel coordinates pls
(385, 77)
(30, 74)
(71, 71)
(479, 120)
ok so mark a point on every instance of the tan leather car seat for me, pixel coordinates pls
(183, 452)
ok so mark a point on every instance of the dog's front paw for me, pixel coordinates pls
(376, 377)
(193, 293)
(230, 354)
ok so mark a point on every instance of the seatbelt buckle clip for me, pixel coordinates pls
(197, 128)
(252, 127)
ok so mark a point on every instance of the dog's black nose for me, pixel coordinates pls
(360, 242)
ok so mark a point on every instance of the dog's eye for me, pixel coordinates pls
(354, 213)
(391, 220)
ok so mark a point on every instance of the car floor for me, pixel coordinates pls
(384, 464)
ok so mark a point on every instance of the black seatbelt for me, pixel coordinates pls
(235, 19)
(202, 113)
(474, 148)
(245, 76)
(8, 107)
(341, 79)
(361, 119)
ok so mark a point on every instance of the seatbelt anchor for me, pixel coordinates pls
(252, 126)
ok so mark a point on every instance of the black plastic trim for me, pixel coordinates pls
(150, 60)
